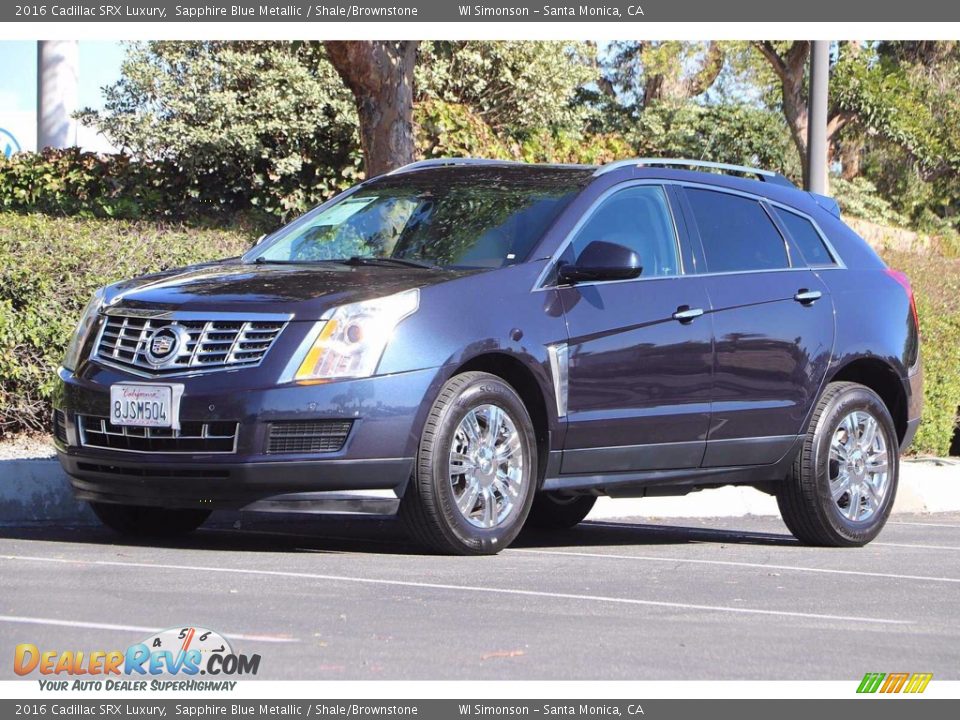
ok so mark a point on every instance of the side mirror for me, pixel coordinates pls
(599, 261)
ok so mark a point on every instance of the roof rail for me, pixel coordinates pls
(442, 162)
(764, 175)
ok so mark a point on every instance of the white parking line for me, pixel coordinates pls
(733, 563)
(467, 588)
(916, 545)
(923, 524)
(132, 628)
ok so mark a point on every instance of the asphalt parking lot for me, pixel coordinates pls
(335, 598)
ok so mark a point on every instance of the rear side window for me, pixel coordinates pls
(737, 233)
(806, 237)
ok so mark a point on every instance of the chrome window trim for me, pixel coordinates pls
(538, 285)
(551, 262)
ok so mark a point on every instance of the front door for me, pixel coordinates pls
(639, 357)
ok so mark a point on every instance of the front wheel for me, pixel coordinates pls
(844, 480)
(136, 521)
(476, 468)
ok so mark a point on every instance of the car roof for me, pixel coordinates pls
(752, 180)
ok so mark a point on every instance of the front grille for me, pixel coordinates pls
(192, 437)
(60, 426)
(200, 344)
(318, 436)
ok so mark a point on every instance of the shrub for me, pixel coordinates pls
(248, 123)
(71, 182)
(49, 268)
(859, 197)
(936, 282)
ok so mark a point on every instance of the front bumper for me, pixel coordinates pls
(387, 414)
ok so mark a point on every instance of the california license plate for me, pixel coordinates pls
(145, 405)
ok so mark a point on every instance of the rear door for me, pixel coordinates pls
(639, 354)
(773, 326)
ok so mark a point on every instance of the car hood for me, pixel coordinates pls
(303, 291)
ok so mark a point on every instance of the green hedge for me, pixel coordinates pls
(49, 268)
(71, 182)
(936, 284)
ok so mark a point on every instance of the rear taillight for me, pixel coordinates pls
(905, 284)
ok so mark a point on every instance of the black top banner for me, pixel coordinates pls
(490, 11)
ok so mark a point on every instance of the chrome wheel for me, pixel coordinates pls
(486, 466)
(859, 466)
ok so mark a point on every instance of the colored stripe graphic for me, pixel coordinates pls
(894, 682)
(918, 682)
(870, 682)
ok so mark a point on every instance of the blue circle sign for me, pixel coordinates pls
(8, 143)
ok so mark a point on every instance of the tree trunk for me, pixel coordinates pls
(685, 83)
(380, 76)
(791, 68)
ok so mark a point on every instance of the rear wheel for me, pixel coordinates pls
(844, 480)
(553, 511)
(136, 521)
(473, 484)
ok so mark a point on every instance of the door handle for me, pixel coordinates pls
(807, 297)
(686, 314)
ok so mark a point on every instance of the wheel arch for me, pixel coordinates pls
(883, 379)
(524, 381)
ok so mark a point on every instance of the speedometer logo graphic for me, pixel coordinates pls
(180, 641)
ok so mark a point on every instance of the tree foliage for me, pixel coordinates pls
(265, 123)
(516, 88)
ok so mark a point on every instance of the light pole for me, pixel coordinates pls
(817, 117)
(58, 71)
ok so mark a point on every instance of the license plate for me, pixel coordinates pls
(145, 405)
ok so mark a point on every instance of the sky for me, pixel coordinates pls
(99, 65)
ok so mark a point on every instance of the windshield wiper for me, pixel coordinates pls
(397, 262)
(265, 261)
(353, 260)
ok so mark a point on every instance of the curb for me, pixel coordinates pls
(37, 491)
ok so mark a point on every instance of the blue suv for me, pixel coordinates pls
(480, 344)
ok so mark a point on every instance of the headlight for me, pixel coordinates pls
(352, 338)
(89, 318)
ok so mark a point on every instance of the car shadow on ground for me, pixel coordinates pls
(231, 532)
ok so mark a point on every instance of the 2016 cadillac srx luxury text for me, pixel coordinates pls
(477, 345)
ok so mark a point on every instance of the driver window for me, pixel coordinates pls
(639, 218)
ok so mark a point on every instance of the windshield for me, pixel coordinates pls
(437, 218)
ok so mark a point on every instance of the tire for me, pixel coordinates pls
(806, 498)
(429, 507)
(136, 521)
(552, 511)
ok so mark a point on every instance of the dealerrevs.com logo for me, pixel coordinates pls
(169, 660)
